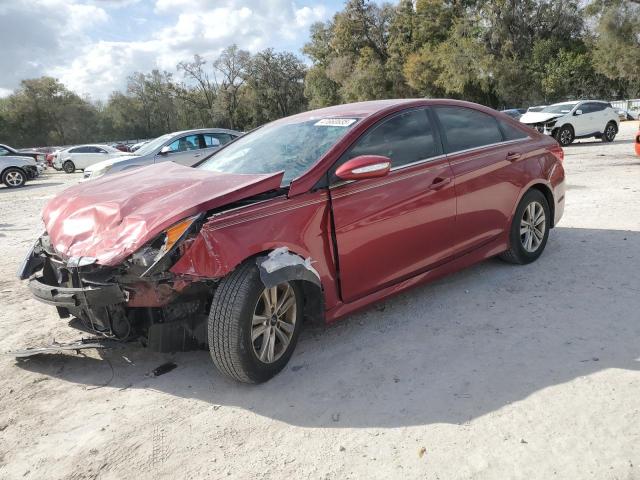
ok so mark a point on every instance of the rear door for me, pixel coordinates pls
(391, 228)
(486, 158)
(213, 141)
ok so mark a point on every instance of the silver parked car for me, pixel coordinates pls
(186, 148)
(15, 171)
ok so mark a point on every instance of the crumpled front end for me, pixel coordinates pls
(166, 312)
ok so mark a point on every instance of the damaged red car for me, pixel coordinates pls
(310, 217)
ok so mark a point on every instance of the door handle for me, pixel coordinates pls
(197, 155)
(439, 182)
(513, 156)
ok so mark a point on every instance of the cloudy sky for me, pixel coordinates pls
(93, 45)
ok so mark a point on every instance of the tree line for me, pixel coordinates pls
(504, 53)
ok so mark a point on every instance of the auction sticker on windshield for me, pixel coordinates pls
(335, 122)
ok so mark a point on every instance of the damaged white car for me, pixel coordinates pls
(567, 121)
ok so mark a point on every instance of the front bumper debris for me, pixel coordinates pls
(87, 297)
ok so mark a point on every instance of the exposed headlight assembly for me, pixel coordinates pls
(550, 124)
(158, 254)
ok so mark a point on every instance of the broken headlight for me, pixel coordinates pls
(157, 255)
(550, 124)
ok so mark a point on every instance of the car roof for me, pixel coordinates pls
(203, 130)
(358, 109)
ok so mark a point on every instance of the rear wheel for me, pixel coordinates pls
(564, 135)
(529, 229)
(252, 329)
(14, 177)
(610, 132)
(69, 167)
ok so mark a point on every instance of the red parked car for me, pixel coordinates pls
(310, 217)
(638, 142)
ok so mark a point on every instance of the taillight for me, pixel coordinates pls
(556, 151)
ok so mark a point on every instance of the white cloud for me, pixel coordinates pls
(93, 45)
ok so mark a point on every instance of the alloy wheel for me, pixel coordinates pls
(565, 136)
(610, 132)
(273, 323)
(532, 227)
(15, 179)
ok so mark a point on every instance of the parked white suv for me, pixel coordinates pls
(570, 120)
(83, 156)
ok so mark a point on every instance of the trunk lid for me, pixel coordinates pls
(112, 217)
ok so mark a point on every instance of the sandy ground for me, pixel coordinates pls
(495, 372)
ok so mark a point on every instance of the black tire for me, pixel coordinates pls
(565, 135)
(610, 132)
(14, 177)
(68, 167)
(230, 323)
(517, 252)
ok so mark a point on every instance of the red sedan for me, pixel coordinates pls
(310, 217)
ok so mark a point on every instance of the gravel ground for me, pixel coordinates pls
(496, 372)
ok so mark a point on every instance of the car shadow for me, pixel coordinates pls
(587, 142)
(446, 352)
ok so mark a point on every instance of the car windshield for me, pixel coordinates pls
(153, 144)
(560, 108)
(289, 147)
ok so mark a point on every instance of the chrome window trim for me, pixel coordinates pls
(419, 162)
(505, 142)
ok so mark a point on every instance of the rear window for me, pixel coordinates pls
(465, 128)
(510, 132)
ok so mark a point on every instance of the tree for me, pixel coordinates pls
(617, 41)
(232, 67)
(276, 81)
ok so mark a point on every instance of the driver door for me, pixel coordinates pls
(582, 123)
(389, 229)
(184, 150)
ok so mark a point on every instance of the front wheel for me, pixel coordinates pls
(609, 133)
(565, 136)
(14, 177)
(529, 229)
(252, 329)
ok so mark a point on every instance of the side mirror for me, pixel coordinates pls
(164, 150)
(364, 166)
(578, 112)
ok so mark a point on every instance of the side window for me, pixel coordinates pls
(598, 107)
(184, 144)
(510, 132)
(100, 150)
(465, 128)
(405, 138)
(4, 152)
(78, 150)
(217, 139)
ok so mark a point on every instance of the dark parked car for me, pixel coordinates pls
(15, 171)
(6, 150)
(310, 217)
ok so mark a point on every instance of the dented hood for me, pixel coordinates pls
(112, 217)
(539, 117)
